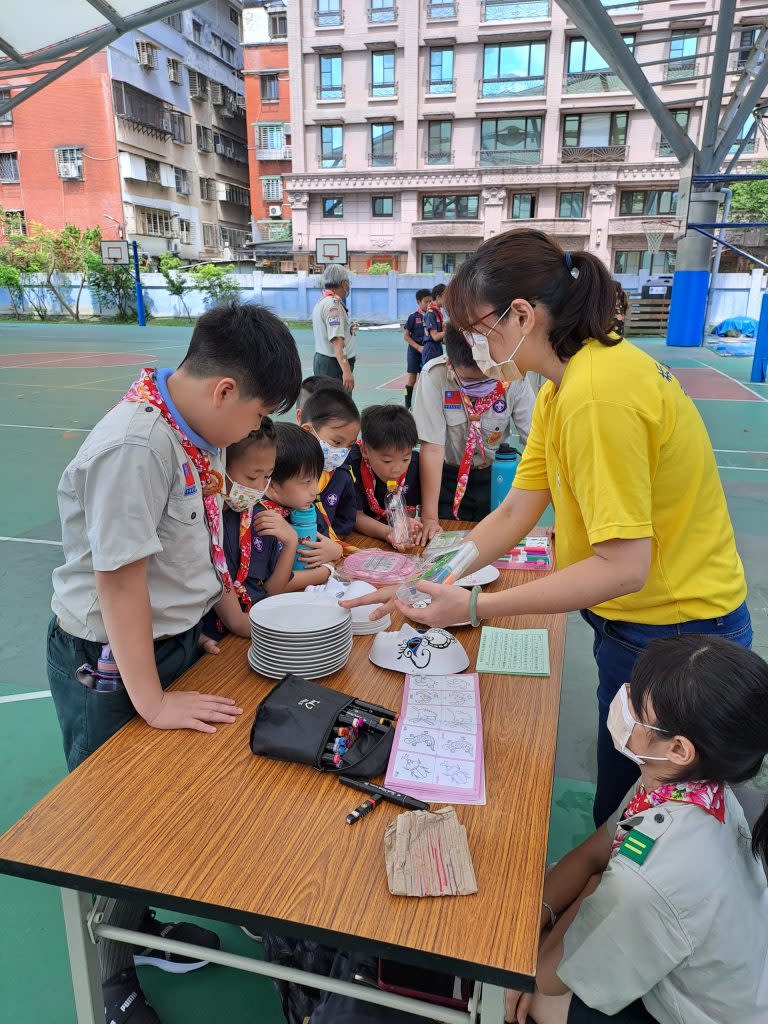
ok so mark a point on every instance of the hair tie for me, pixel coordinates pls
(573, 271)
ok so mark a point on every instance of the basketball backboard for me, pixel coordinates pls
(114, 252)
(330, 250)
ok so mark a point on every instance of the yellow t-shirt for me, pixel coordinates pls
(625, 454)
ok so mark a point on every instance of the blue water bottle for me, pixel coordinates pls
(504, 468)
(304, 522)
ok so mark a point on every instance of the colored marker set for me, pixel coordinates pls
(357, 718)
(532, 552)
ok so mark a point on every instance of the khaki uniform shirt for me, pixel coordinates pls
(331, 320)
(131, 493)
(442, 419)
(686, 930)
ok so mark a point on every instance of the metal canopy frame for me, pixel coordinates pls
(52, 62)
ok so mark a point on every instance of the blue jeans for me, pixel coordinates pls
(616, 648)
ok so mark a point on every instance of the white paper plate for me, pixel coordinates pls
(272, 671)
(487, 574)
(296, 642)
(298, 613)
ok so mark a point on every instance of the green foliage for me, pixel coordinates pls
(113, 286)
(380, 268)
(10, 278)
(750, 198)
(215, 282)
(175, 281)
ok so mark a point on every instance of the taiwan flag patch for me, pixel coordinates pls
(189, 479)
(451, 399)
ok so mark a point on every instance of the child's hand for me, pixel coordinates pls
(208, 645)
(188, 709)
(429, 529)
(272, 524)
(315, 553)
(516, 1006)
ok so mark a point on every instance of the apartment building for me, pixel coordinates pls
(268, 116)
(145, 139)
(420, 129)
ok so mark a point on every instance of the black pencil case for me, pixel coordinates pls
(295, 721)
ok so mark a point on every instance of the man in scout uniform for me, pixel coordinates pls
(334, 333)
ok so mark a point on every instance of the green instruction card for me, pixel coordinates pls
(514, 652)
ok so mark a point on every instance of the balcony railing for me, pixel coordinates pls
(440, 11)
(326, 19)
(442, 87)
(142, 109)
(329, 162)
(381, 159)
(438, 156)
(281, 153)
(680, 69)
(523, 10)
(592, 154)
(330, 92)
(380, 90)
(382, 15)
(507, 157)
(493, 87)
(593, 81)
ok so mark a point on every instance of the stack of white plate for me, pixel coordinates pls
(303, 633)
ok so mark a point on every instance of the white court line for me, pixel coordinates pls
(726, 451)
(723, 374)
(34, 695)
(381, 387)
(32, 426)
(31, 540)
(741, 469)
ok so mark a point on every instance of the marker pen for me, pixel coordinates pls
(391, 795)
(368, 805)
(374, 709)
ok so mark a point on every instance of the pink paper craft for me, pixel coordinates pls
(379, 568)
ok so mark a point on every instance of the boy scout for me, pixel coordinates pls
(334, 334)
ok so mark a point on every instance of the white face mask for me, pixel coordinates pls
(620, 725)
(334, 457)
(242, 498)
(508, 369)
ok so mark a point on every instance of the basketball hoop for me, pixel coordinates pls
(655, 230)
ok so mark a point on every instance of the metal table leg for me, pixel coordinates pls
(83, 958)
(492, 1005)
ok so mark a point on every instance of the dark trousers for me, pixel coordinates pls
(476, 503)
(635, 1013)
(616, 647)
(328, 366)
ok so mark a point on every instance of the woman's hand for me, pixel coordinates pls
(449, 605)
(385, 596)
(314, 553)
(429, 529)
(516, 1006)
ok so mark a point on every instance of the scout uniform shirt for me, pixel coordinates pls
(411, 486)
(680, 919)
(331, 320)
(130, 493)
(442, 419)
(339, 500)
(625, 455)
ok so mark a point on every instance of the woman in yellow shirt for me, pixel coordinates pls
(645, 545)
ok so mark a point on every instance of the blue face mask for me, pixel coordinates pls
(334, 458)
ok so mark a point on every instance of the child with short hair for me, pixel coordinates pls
(415, 336)
(385, 453)
(312, 384)
(333, 418)
(434, 326)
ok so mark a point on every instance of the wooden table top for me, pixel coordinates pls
(194, 822)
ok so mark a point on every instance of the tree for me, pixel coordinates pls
(215, 282)
(10, 278)
(750, 198)
(175, 281)
(113, 286)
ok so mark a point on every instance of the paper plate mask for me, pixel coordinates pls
(412, 650)
(361, 617)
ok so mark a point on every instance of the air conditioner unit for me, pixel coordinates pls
(275, 211)
(175, 245)
(240, 101)
(217, 94)
(69, 171)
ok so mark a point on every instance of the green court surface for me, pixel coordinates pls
(56, 381)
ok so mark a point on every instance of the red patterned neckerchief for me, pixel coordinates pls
(710, 796)
(246, 547)
(145, 389)
(439, 314)
(275, 506)
(369, 486)
(474, 409)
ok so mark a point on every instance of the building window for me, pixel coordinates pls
(594, 137)
(152, 169)
(571, 205)
(514, 69)
(182, 181)
(587, 70)
(234, 15)
(270, 142)
(229, 146)
(222, 49)
(174, 71)
(204, 138)
(648, 202)
(209, 235)
(232, 238)
(442, 262)
(747, 40)
(207, 189)
(331, 146)
(69, 162)
(382, 11)
(683, 45)
(180, 126)
(633, 261)
(237, 194)
(441, 71)
(278, 25)
(7, 117)
(383, 206)
(683, 117)
(438, 10)
(146, 54)
(153, 222)
(270, 88)
(174, 21)
(198, 85)
(197, 31)
(383, 73)
(748, 132)
(523, 206)
(16, 222)
(382, 145)
(272, 188)
(331, 85)
(185, 231)
(450, 207)
(328, 12)
(439, 141)
(522, 10)
(510, 140)
(333, 206)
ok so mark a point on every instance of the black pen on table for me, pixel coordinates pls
(391, 795)
(368, 805)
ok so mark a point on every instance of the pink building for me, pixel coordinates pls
(421, 128)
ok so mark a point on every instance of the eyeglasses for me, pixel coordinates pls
(470, 335)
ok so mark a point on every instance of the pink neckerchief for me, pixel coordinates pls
(710, 796)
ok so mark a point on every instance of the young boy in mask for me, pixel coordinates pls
(332, 417)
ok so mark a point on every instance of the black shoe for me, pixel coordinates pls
(182, 931)
(124, 1002)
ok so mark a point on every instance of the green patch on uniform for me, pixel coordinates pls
(636, 846)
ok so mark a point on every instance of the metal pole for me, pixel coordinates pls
(743, 101)
(83, 958)
(719, 65)
(139, 293)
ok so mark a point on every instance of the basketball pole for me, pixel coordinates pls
(140, 312)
